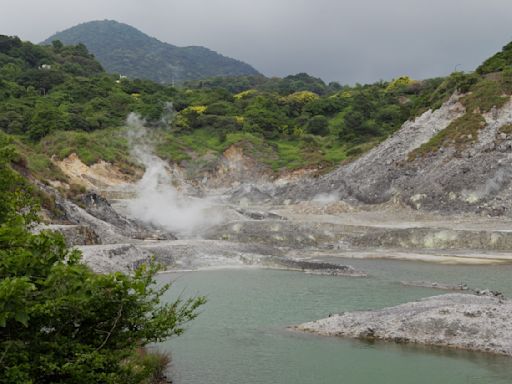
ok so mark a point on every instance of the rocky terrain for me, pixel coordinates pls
(451, 207)
(472, 322)
(382, 205)
(472, 179)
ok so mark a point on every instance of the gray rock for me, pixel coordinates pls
(73, 234)
(313, 267)
(477, 323)
(436, 285)
(325, 235)
(259, 215)
(248, 193)
(100, 208)
(113, 229)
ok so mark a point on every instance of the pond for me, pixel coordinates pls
(241, 336)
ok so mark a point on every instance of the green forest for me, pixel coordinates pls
(56, 99)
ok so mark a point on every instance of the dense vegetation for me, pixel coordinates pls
(59, 321)
(57, 100)
(498, 62)
(123, 49)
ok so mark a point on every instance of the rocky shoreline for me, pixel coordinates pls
(465, 321)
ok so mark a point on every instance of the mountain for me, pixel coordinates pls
(121, 48)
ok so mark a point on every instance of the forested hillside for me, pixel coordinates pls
(123, 49)
(57, 99)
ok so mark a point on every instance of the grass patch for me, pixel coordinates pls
(306, 151)
(107, 144)
(507, 128)
(42, 167)
(37, 164)
(179, 147)
(284, 153)
(459, 133)
(198, 148)
(147, 367)
(289, 155)
(335, 154)
(485, 95)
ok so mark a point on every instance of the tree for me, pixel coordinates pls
(263, 115)
(57, 45)
(9, 42)
(318, 125)
(59, 321)
(46, 118)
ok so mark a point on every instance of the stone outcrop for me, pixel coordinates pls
(98, 215)
(73, 234)
(99, 175)
(472, 322)
(371, 178)
(100, 208)
(313, 267)
(337, 236)
(196, 254)
(474, 178)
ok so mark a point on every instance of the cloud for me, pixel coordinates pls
(345, 40)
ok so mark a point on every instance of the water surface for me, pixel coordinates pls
(241, 335)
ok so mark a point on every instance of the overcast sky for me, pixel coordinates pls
(343, 40)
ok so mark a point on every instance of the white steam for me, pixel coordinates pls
(326, 198)
(492, 186)
(157, 201)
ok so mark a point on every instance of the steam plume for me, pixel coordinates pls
(157, 200)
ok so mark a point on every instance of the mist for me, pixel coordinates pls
(492, 186)
(157, 201)
(326, 198)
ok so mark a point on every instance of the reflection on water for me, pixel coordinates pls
(241, 336)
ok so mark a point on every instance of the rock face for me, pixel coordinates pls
(475, 178)
(248, 193)
(99, 175)
(370, 178)
(336, 236)
(101, 219)
(74, 234)
(108, 258)
(100, 208)
(477, 323)
(74, 214)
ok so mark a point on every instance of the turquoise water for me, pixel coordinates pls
(241, 335)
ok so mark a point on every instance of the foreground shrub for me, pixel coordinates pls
(62, 323)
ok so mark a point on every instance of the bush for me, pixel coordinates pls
(59, 321)
(318, 125)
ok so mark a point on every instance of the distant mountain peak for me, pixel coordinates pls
(124, 49)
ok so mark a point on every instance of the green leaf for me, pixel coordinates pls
(22, 317)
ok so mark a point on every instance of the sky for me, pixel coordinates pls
(349, 41)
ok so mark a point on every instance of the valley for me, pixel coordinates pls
(384, 209)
